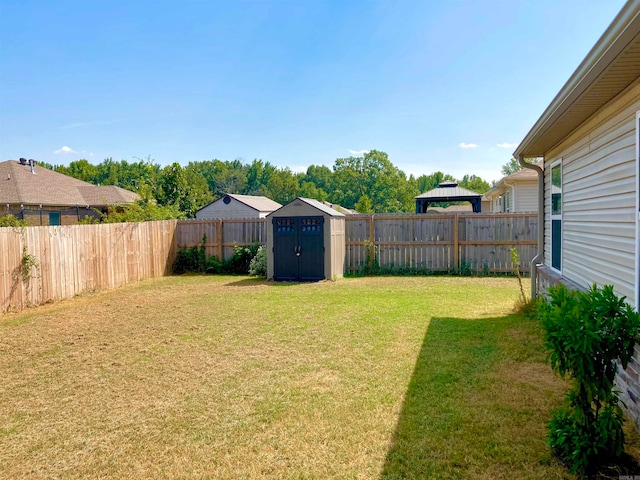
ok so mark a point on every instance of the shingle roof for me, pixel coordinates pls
(522, 175)
(260, 203)
(46, 187)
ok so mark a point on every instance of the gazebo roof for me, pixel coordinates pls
(448, 190)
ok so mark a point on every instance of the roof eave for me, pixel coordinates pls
(618, 35)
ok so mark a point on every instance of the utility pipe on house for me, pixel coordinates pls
(538, 258)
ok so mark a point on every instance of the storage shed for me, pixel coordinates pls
(305, 241)
(233, 206)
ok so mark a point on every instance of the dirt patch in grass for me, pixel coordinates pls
(229, 377)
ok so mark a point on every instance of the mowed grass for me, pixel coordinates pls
(230, 377)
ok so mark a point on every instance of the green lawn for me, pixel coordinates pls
(230, 377)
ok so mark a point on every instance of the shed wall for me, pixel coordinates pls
(232, 210)
(599, 198)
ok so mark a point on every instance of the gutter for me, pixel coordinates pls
(539, 256)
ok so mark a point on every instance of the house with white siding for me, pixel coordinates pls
(232, 206)
(515, 193)
(589, 207)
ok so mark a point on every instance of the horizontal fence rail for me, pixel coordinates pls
(471, 243)
(220, 236)
(68, 260)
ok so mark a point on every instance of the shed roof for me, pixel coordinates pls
(448, 190)
(46, 187)
(611, 66)
(315, 204)
(259, 202)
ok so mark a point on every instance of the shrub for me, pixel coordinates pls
(192, 259)
(258, 264)
(241, 259)
(12, 221)
(587, 334)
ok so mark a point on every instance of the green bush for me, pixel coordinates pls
(587, 334)
(12, 221)
(258, 264)
(192, 259)
(241, 259)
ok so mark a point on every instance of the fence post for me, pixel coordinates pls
(456, 243)
(372, 238)
(219, 240)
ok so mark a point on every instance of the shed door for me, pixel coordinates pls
(298, 250)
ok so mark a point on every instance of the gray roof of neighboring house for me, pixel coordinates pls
(340, 208)
(46, 187)
(522, 175)
(448, 190)
(608, 69)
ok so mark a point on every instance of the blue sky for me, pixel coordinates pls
(438, 85)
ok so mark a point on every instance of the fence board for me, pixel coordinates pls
(77, 258)
(72, 259)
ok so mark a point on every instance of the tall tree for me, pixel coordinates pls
(375, 176)
(475, 183)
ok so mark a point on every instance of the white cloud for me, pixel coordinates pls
(467, 145)
(507, 145)
(299, 169)
(65, 149)
(358, 152)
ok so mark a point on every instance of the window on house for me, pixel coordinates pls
(556, 215)
(508, 200)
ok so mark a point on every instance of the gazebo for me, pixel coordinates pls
(448, 192)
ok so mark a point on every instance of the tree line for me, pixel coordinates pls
(368, 183)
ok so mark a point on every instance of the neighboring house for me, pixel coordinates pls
(44, 197)
(466, 208)
(589, 137)
(340, 208)
(238, 206)
(448, 191)
(515, 193)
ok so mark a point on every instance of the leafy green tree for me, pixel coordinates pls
(223, 177)
(184, 188)
(140, 212)
(512, 166)
(424, 183)
(282, 186)
(310, 190)
(321, 176)
(475, 183)
(375, 176)
(364, 205)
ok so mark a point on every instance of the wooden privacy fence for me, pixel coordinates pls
(69, 260)
(221, 235)
(473, 242)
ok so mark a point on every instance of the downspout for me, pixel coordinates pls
(539, 256)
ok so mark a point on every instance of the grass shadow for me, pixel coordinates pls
(478, 403)
(461, 418)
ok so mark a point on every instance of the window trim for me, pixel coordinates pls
(556, 216)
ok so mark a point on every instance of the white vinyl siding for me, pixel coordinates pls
(233, 210)
(599, 198)
(526, 197)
